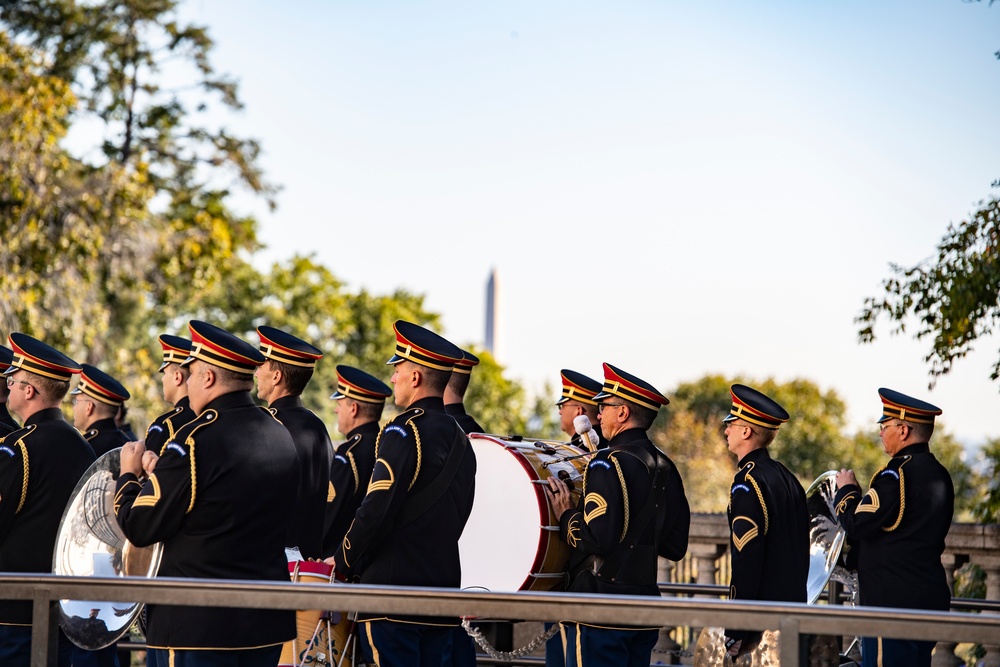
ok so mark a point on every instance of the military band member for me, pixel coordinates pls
(220, 499)
(121, 421)
(420, 496)
(632, 509)
(360, 400)
(7, 423)
(454, 393)
(768, 517)
(899, 526)
(173, 377)
(280, 381)
(96, 400)
(577, 399)
(40, 465)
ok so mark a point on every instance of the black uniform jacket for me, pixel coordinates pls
(7, 423)
(53, 456)
(410, 453)
(900, 527)
(464, 419)
(350, 472)
(769, 534)
(616, 486)
(103, 436)
(315, 451)
(162, 429)
(220, 500)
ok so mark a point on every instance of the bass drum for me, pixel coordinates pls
(511, 541)
(90, 544)
(323, 639)
(826, 541)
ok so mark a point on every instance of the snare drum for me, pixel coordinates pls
(511, 541)
(322, 638)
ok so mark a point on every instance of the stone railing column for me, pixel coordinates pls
(706, 560)
(667, 648)
(944, 652)
(991, 566)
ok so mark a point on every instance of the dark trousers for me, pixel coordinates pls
(105, 657)
(246, 657)
(879, 652)
(15, 646)
(461, 648)
(396, 644)
(587, 646)
(554, 650)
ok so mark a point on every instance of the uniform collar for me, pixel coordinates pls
(455, 409)
(428, 403)
(101, 425)
(628, 435)
(46, 415)
(286, 402)
(184, 403)
(916, 448)
(368, 428)
(234, 399)
(755, 455)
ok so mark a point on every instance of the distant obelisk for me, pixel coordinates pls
(492, 300)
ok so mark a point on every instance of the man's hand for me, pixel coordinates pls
(846, 478)
(558, 494)
(149, 460)
(733, 647)
(131, 457)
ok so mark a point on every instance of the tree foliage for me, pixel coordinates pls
(953, 299)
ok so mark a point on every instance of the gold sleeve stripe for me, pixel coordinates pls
(868, 507)
(149, 500)
(331, 492)
(741, 541)
(600, 507)
(382, 484)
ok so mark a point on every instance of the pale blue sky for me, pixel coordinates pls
(677, 188)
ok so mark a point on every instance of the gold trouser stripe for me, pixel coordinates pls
(579, 647)
(879, 639)
(170, 654)
(371, 642)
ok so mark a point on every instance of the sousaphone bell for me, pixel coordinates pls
(90, 543)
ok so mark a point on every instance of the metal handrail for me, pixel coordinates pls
(790, 619)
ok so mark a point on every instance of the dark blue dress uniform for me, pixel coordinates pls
(352, 465)
(312, 442)
(389, 544)
(220, 500)
(163, 429)
(7, 423)
(102, 434)
(40, 465)
(633, 509)
(468, 423)
(899, 528)
(582, 389)
(768, 518)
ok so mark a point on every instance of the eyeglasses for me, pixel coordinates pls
(736, 424)
(11, 382)
(601, 406)
(77, 399)
(883, 426)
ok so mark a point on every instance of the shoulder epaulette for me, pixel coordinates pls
(91, 434)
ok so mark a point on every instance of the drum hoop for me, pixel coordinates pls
(541, 547)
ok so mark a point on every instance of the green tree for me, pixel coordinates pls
(495, 401)
(953, 299)
(988, 509)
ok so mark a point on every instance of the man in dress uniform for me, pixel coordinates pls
(420, 496)
(220, 499)
(7, 423)
(577, 399)
(360, 399)
(96, 400)
(53, 455)
(175, 391)
(768, 517)
(280, 381)
(899, 526)
(622, 539)
(454, 393)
